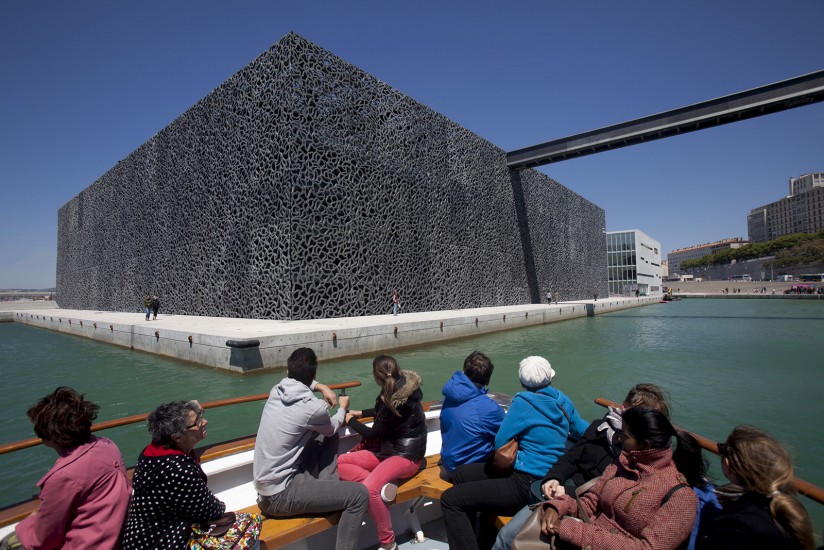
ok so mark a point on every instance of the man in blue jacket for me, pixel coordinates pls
(469, 417)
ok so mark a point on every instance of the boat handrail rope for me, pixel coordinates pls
(806, 488)
(134, 419)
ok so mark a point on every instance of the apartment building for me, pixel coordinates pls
(802, 211)
(675, 257)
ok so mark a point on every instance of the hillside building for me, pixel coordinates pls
(802, 211)
(675, 257)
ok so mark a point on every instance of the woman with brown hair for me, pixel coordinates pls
(760, 507)
(398, 437)
(84, 497)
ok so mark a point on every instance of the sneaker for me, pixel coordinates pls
(389, 492)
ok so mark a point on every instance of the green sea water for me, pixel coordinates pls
(723, 362)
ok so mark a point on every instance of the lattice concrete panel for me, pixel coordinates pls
(302, 188)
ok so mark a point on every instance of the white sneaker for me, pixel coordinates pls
(389, 492)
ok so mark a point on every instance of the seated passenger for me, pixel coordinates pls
(295, 466)
(169, 486)
(588, 457)
(398, 442)
(642, 499)
(84, 497)
(469, 418)
(540, 418)
(760, 505)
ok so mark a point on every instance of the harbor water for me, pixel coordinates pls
(723, 362)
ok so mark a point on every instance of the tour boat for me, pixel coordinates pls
(416, 513)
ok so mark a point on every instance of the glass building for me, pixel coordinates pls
(633, 263)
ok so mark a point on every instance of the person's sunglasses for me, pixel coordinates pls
(198, 421)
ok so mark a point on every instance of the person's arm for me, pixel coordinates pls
(566, 466)
(577, 425)
(321, 422)
(328, 394)
(512, 423)
(382, 428)
(46, 528)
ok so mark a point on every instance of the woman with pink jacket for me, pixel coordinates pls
(643, 500)
(85, 495)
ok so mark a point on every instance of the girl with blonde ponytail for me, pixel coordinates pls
(760, 506)
(398, 437)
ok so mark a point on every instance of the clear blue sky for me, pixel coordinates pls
(86, 82)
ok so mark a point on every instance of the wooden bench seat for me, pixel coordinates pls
(280, 532)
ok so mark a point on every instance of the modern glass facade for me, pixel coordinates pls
(623, 277)
(633, 263)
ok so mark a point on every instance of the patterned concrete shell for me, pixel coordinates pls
(302, 188)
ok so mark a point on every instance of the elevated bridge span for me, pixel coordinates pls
(778, 96)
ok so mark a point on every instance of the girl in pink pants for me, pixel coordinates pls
(393, 446)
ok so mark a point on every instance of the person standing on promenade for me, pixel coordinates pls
(396, 302)
(155, 306)
(469, 417)
(295, 460)
(147, 303)
(549, 297)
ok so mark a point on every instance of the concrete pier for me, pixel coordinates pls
(242, 345)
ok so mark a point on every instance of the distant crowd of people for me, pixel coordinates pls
(614, 483)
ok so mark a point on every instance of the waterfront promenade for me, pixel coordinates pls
(243, 345)
(747, 289)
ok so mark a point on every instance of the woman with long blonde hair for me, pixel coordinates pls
(760, 505)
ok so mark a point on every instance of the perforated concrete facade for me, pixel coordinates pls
(303, 188)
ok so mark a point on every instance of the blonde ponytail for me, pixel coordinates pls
(762, 465)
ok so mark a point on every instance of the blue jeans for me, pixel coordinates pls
(148, 312)
(509, 531)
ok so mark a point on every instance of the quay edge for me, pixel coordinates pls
(244, 345)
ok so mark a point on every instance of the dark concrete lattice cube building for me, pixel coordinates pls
(303, 187)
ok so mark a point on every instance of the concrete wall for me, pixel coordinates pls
(305, 188)
(341, 338)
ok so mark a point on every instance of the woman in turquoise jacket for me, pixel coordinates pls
(541, 418)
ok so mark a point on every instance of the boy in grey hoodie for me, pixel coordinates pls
(295, 464)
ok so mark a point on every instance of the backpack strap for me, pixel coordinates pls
(671, 492)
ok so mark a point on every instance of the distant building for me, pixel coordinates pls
(664, 270)
(633, 263)
(675, 257)
(802, 211)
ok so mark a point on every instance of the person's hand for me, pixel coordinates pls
(550, 524)
(349, 416)
(553, 489)
(343, 402)
(328, 395)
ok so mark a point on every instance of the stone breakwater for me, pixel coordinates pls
(242, 345)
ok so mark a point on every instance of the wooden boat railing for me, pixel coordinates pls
(134, 419)
(806, 488)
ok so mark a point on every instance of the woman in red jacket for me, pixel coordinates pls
(643, 499)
